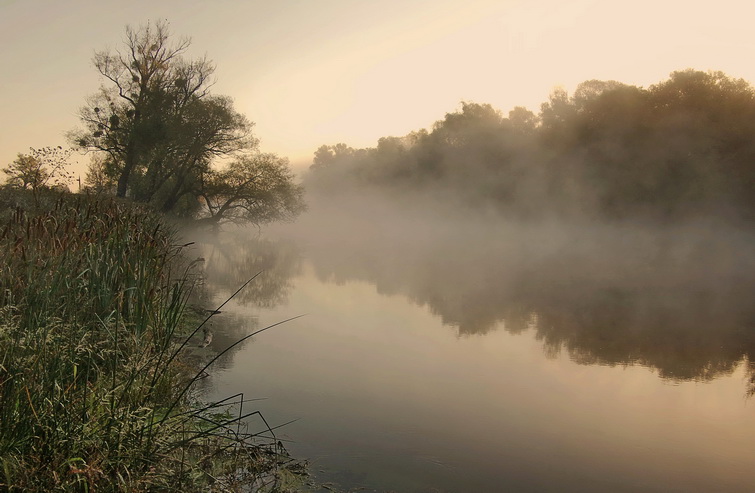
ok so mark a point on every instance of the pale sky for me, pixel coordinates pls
(314, 72)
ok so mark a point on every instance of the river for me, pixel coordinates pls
(466, 355)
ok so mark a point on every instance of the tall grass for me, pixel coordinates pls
(94, 393)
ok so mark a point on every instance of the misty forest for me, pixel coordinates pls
(680, 149)
(550, 300)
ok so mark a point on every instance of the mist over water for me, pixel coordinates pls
(675, 297)
(425, 319)
(550, 302)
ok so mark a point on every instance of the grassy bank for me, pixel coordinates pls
(95, 391)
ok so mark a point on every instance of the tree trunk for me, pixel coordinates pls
(128, 165)
(178, 189)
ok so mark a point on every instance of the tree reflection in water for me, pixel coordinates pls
(676, 300)
(230, 260)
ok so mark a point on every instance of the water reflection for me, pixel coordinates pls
(678, 300)
(232, 258)
(228, 262)
(390, 399)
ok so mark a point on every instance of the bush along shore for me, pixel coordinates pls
(95, 385)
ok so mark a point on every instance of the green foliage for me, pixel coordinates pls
(678, 149)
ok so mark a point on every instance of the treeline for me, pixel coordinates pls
(681, 148)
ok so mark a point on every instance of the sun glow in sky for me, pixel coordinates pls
(314, 72)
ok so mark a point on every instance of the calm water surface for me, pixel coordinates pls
(504, 362)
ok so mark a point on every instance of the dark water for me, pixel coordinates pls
(454, 357)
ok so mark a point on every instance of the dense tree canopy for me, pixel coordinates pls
(158, 129)
(682, 147)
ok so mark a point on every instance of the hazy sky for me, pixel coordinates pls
(313, 72)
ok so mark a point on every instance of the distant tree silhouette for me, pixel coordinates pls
(680, 148)
(42, 169)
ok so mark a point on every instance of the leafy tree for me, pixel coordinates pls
(523, 120)
(708, 121)
(680, 148)
(161, 129)
(335, 155)
(474, 124)
(26, 173)
(556, 118)
(337, 167)
(256, 188)
(41, 169)
(98, 179)
(156, 118)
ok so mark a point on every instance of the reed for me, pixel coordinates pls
(94, 392)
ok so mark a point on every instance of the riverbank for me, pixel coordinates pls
(95, 379)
